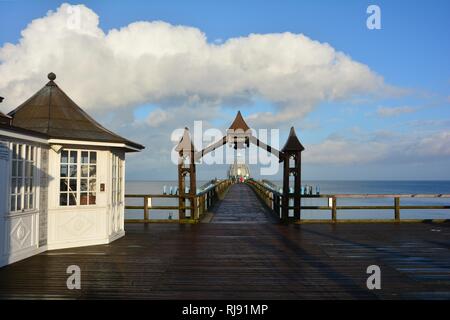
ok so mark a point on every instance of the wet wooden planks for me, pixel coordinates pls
(246, 261)
(241, 205)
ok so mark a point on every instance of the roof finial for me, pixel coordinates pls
(51, 76)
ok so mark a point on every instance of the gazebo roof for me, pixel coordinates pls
(292, 143)
(239, 123)
(52, 112)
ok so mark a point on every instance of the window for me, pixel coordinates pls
(22, 177)
(78, 178)
(117, 177)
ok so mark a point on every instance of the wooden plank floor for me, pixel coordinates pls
(241, 205)
(246, 261)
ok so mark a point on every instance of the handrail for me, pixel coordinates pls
(199, 203)
(273, 200)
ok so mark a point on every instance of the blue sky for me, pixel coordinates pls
(411, 52)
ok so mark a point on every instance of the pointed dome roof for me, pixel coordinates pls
(185, 143)
(52, 112)
(292, 143)
(239, 123)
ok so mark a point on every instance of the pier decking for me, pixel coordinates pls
(241, 205)
(246, 261)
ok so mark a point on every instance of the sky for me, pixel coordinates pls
(367, 104)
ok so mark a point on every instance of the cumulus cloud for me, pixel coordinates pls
(156, 62)
(383, 146)
(394, 111)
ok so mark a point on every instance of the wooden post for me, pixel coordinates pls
(146, 208)
(285, 199)
(186, 166)
(333, 209)
(397, 208)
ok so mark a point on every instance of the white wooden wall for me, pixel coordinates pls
(19, 230)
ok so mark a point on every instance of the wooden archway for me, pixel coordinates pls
(239, 134)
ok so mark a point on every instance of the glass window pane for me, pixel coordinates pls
(19, 151)
(73, 171)
(27, 184)
(73, 156)
(92, 185)
(64, 156)
(31, 205)
(84, 185)
(19, 203)
(63, 185)
(14, 151)
(27, 169)
(92, 171)
(92, 198)
(83, 198)
(33, 149)
(73, 185)
(84, 157)
(13, 203)
(84, 170)
(20, 168)
(13, 185)
(72, 199)
(25, 205)
(93, 156)
(63, 199)
(64, 172)
(14, 168)
(27, 152)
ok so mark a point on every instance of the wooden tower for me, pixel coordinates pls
(186, 168)
(291, 167)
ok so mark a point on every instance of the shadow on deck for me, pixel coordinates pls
(246, 261)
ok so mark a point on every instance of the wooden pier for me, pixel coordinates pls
(245, 261)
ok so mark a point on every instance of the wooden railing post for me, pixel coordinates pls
(397, 208)
(145, 208)
(333, 209)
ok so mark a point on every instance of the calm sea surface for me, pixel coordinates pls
(326, 187)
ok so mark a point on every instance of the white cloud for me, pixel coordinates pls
(167, 65)
(384, 147)
(394, 111)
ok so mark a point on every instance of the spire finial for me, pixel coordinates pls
(51, 76)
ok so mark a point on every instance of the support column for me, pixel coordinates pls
(186, 167)
(291, 150)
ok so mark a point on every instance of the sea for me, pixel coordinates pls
(324, 187)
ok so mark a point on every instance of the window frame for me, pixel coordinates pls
(117, 194)
(31, 157)
(78, 178)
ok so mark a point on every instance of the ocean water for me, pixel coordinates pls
(326, 187)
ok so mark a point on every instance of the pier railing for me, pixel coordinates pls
(199, 204)
(273, 199)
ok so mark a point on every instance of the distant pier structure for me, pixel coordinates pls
(238, 172)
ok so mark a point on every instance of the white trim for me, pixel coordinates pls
(32, 138)
(22, 136)
(92, 143)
